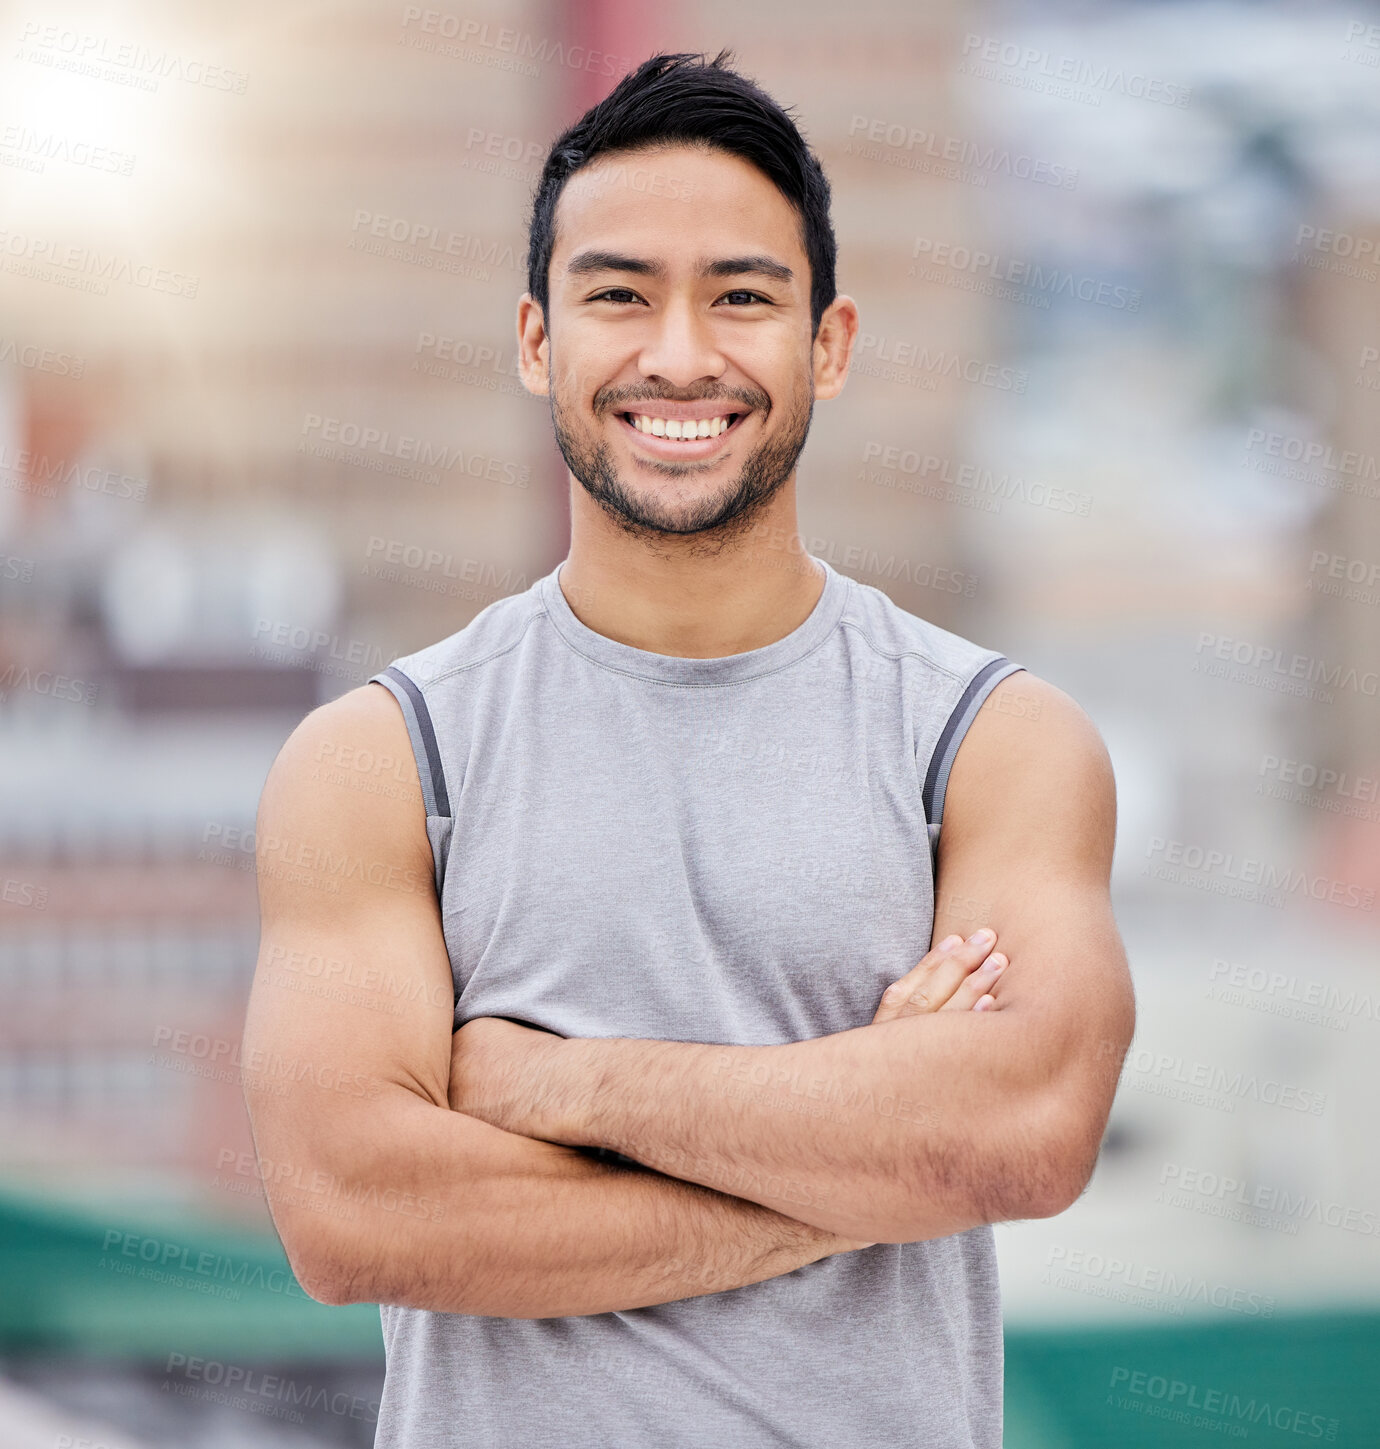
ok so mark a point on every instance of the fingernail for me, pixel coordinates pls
(949, 942)
(981, 938)
(984, 1003)
(996, 964)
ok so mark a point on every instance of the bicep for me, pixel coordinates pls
(1026, 847)
(352, 1000)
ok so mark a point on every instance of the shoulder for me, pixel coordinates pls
(1030, 719)
(492, 634)
(1033, 766)
(344, 778)
(362, 722)
(880, 624)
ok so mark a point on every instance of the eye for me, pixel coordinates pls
(751, 296)
(608, 295)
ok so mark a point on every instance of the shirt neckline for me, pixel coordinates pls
(677, 669)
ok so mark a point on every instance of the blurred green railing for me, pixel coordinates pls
(1295, 1380)
(120, 1282)
(141, 1282)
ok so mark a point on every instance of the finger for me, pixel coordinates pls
(949, 973)
(978, 984)
(954, 985)
(929, 984)
(895, 995)
(938, 974)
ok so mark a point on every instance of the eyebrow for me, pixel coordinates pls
(596, 260)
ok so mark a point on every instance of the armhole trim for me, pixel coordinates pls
(951, 736)
(423, 735)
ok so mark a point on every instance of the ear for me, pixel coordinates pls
(534, 346)
(833, 346)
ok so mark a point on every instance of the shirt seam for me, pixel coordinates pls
(495, 654)
(912, 653)
(843, 621)
(695, 683)
(959, 681)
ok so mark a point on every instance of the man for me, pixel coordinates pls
(654, 835)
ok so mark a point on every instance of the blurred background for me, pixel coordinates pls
(261, 432)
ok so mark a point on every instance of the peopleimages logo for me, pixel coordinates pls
(1142, 1285)
(282, 642)
(1209, 1084)
(916, 149)
(1235, 1199)
(1212, 1409)
(989, 57)
(87, 52)
(184, 1267)
(1268, 662)
(41, 359)
(941, 256)
(910, 471)
(325, 1188)
(237, 1386)
(38, 473)
(1316, 1002)
(412, 556)
(1320, 787)
(424, 242)
(900, 360)
(382, 450)
(257, 1068)
(519, 47)
(1354, 580)
(30, 150)
(1224, 873)
(27, 255)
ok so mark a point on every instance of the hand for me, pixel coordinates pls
(496, 1072)
(820, 1243)
(955, 975)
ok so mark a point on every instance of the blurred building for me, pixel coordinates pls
(1112, 412)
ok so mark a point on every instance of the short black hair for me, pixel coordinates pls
(686, 99)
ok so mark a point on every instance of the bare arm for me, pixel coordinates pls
(1007, 1108)
(379, 1191)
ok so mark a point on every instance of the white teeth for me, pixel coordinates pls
(680, 428)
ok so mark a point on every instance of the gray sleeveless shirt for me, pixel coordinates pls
(733, 850)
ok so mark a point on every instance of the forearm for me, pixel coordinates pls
(488, 1222)
(892, 1132)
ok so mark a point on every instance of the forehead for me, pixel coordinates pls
(680, 204)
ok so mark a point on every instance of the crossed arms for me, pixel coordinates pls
(448, 1176)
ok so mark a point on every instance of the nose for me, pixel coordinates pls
(681, 349)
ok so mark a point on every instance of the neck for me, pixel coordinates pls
(699, 596)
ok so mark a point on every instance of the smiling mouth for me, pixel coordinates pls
(687, 430)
